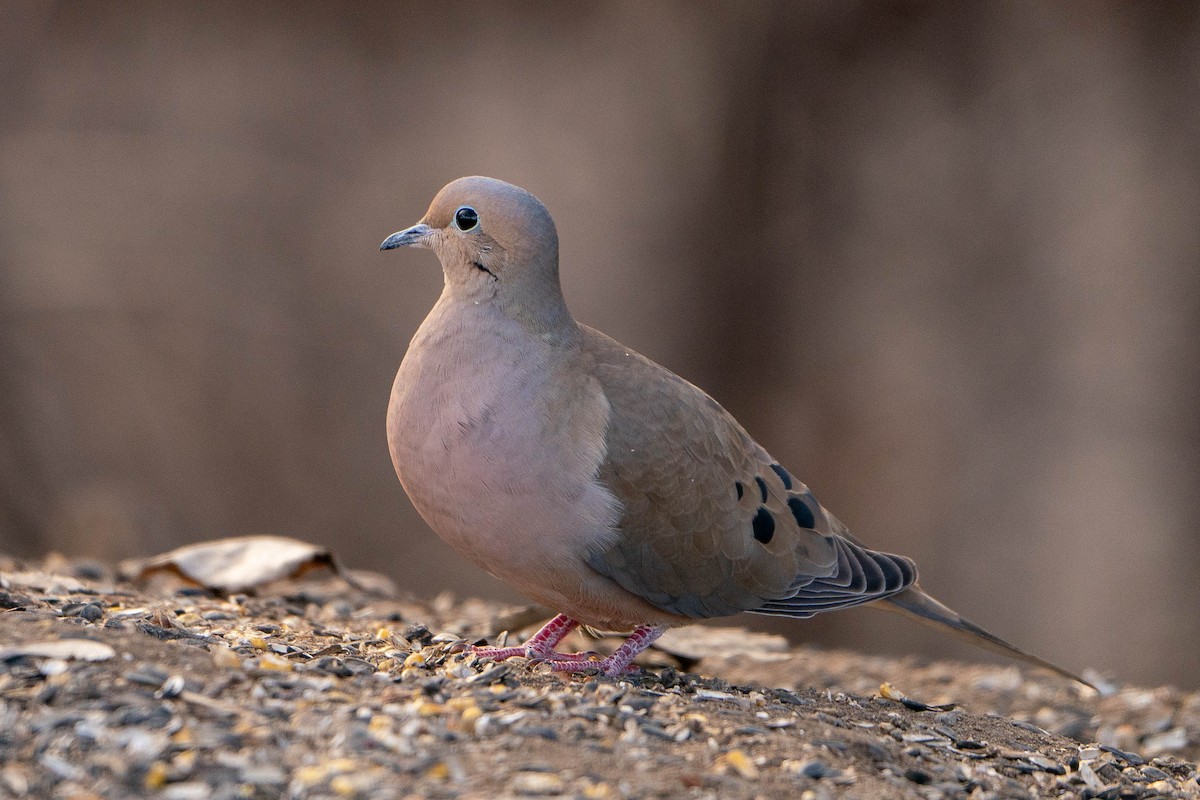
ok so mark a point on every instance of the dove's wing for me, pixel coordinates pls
(711, 525)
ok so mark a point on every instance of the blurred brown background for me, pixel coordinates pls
(943, 260)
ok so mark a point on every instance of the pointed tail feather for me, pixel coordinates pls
(915, 603)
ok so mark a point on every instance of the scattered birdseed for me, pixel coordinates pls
(318, 691)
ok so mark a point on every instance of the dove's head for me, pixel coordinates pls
(497, 244)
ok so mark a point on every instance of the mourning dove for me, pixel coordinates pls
(590, 478)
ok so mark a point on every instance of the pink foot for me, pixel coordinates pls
(620, 662)
(598, 665)
(498, 653)
(540, 648)
(531, 652)
(540, 645)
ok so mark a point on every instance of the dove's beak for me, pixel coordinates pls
(416, 236)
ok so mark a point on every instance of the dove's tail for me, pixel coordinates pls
(915, 603)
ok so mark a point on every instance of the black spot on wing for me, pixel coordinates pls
(803, 514)
(783, 476)
(762, 487)
(764, 525)
(740, 489)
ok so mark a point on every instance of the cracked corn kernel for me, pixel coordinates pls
(597, 791)
(741, 763)
(343, 785)
(156, 776)
(273, 662)
(310, 775)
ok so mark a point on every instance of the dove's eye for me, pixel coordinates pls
(465, 218)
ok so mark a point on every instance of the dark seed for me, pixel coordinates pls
(90, 570)
(818, 770)
(541, 731)
(417, 633)
(359, 666)
(1128, 758)
(147, 676)
(333, 666)
(918, 776)
(650, 729)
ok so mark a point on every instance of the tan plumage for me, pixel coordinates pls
(591, 478)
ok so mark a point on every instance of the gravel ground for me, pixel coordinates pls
(317, 690)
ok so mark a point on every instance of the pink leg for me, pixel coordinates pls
(541, 645)
(621, 659)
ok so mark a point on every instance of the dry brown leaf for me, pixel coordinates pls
(243, 564)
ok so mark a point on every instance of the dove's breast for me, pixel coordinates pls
(498, 442)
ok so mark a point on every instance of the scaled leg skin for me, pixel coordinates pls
(540, 646)
(619, 662)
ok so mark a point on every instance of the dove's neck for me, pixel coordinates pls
(511, 319)
(526, 293)
(539, 308)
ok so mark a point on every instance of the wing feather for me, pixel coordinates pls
(711, 524)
